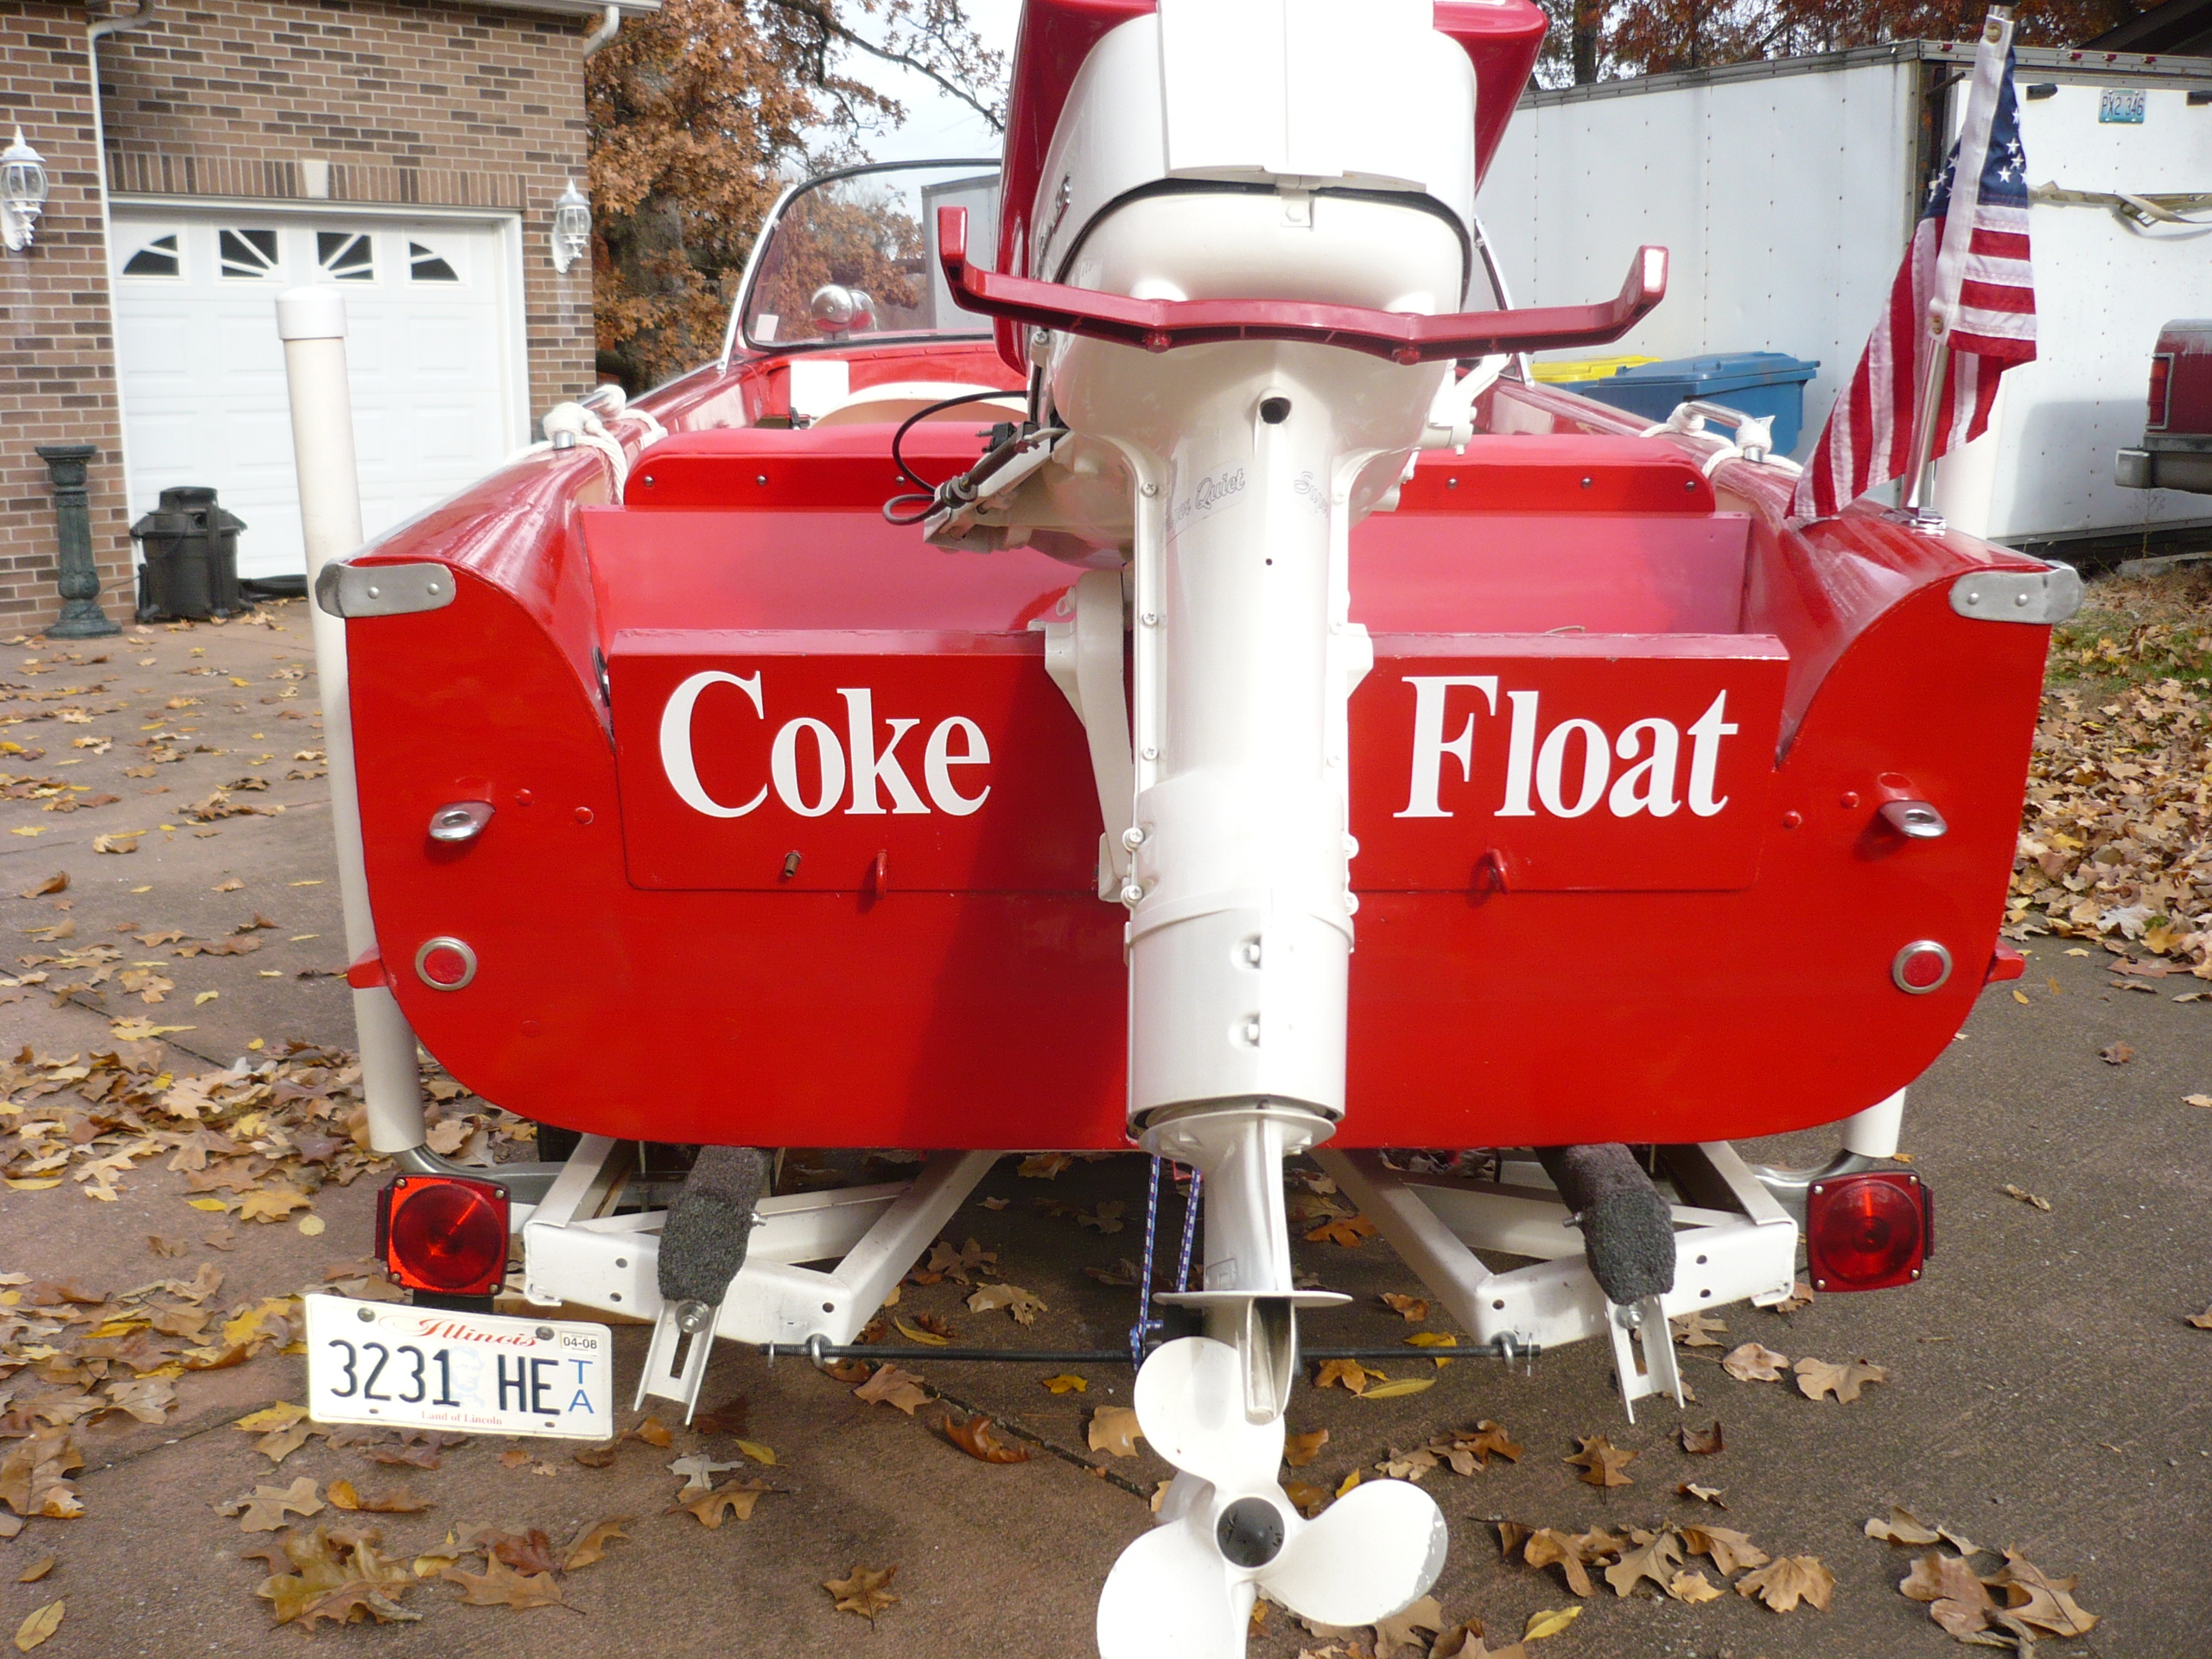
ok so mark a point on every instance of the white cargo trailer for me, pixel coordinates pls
(1787, 191)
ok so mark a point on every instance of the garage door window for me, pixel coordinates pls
(247, 253)
(345, 255)
(426, 265)
(157, 256)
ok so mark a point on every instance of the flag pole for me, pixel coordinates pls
(1950, 263)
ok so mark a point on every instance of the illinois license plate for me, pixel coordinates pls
(482, 1373)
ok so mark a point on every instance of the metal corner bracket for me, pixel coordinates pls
(351, 591)
(2046, 596)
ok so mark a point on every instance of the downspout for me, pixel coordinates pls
(599, 37)
(93, 33)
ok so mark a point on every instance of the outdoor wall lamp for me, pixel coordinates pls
(23, 193)
(571, 227)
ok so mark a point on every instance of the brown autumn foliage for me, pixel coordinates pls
(700, 112)
(1589, 41)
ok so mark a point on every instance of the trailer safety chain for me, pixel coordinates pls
(1147, 1327)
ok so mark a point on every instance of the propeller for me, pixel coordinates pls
(1228, 1531)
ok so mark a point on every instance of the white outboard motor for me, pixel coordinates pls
(1229, 150)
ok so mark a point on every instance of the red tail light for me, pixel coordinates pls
(443, 1233)
(1868, 1232)
(2162, 375)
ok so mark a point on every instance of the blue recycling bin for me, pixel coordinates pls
(1758, 383)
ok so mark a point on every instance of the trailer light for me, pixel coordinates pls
(445, 964)
(1868, 1231)
(443, 1233)
(1921, 966)
(2162, 374)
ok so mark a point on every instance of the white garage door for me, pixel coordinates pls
(433, 348)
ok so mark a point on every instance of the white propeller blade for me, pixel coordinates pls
(1372, 1553)
(1184, 1590)
(1169, 1597)
(1190, 1398)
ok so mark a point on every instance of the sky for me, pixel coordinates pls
(938, 125)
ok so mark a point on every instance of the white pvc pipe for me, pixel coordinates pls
(311, 321)
(1873, 1132)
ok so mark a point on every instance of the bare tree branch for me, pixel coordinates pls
(830, 28)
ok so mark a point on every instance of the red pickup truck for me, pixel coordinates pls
(2176, 452)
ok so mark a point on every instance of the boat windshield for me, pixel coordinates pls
(852, 256)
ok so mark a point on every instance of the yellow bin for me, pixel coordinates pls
(1586, 368)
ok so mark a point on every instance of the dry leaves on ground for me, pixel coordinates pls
(1350, 1231)
(500, 1586)
(264, 1508)
(1602, 1463)
(1298, 1450)
(1787, 1581)
(738, 1498)
(2023, 1195)
(863, 1593)
(320, 1575)
(1816, 1377)
(40, 1624)
(892, 1387)
(1702, 1442)
(1696, 1330)
(1348, 1374)
(2018, 1600)
(1115, 1430)
(1024, 1306)
(1751, 1362)
(1412, 1309)
(973, 1435)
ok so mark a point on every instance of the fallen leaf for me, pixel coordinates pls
(1792, 1578)
(1902, 1526)
(1948, 1583)
(1729, 1550)
(1816, 1377)
(892, 1387)
(1572, 1554)
(995, 1204)
(1348, 1374)
(590, 1545)
(1749, 1362)
(1397, 1388)
(1023, 1305)
(38, 1625)
(1045, 1166)
(1298, 1450)
(1657, 1558)
(1702, 1442)
(1350, 1231)
(500, 1586)
(231, 886)
(37, 1570)
(1695, 1330)
(597, 1456)
(1413, 1309)
(699, 1473)
(738, 1498)
(2116, 1054)
(1540, 1626)
(1067, 1382)
(1692, 1587)
(863, 1593)
(1398, 1631)
(915, 1333)
(272, 1204)
(265, 1509)
(1703, 1494)
(1601, 1461)
(393, 1500)
(652, 1432)
(1306, 1498)
(2025, 1196)
(530, 1552)
(1115, 1430)
(973, 1435)
(58, 882)
(2038, 1599)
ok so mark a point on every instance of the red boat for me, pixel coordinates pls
(1188, 687)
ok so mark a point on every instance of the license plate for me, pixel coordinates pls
(482, 1373)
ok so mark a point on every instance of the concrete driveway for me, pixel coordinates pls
(2045, 1393)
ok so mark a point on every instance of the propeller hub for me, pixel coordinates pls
(1250, 1532)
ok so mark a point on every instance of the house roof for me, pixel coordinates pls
(2180, 26)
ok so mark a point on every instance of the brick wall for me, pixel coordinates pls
(57, 371)
(402, 102)
(405, 102)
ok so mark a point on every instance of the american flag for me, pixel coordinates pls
(1986, 289)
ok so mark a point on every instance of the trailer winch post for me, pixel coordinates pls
(311, 321)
